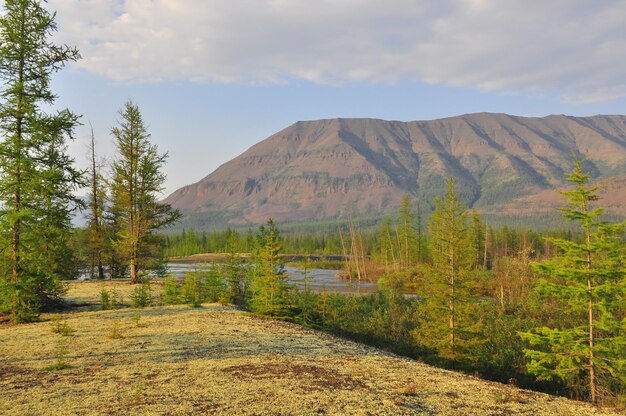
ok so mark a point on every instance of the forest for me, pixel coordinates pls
(543, 310)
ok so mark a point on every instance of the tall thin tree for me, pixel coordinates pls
(586, 279)
(96, 204)
(37, 178)
(137, 179)
(446, 321)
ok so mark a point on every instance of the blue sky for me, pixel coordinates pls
(214, 77)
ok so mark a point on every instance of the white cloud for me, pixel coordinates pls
(573, 48)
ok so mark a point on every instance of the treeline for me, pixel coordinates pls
(190, 242)
(385, 246)
(38, 180)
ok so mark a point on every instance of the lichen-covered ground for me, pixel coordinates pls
(218, 360)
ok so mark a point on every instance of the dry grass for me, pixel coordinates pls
(217, 360)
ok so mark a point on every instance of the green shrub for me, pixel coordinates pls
(109, 299)
(115, 331)
(61, 327)
(137, 320)
(61, 354)
(212, 284)
(192, 290)
(141, 296)
(171, 291)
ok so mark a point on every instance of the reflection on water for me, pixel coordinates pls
(318, 279)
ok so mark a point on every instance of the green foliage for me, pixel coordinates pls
(115, 332)
(586, 280)
(268, 287)
(171, 291)
(406, 236)
(449, 321)
(109, 299)
(60, 357)
(304, 302)
(160, 267)
(61, 327)
(136, 318)
(203, 285)
(37, 177)
(136, 182)
(192, 290)
(234, 273)
(212, 284)
(141, 296)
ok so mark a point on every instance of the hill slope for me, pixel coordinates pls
(340, 167)
(217, 360)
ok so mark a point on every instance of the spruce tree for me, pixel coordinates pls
(137, 179)
(586, 280)
(37, 177)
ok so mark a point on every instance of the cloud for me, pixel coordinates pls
(574, 49)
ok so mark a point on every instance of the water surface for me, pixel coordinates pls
(317, 279)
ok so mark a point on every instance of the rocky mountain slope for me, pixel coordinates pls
(337, 168)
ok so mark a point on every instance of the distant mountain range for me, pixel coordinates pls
(332, 169)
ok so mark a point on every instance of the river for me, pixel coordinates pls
(318, 279)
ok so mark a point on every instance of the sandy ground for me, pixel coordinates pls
(220, 361)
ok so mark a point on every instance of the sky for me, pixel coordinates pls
(214, 77)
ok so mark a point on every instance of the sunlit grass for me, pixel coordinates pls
(219, 360)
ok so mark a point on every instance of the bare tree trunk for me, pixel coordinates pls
(345, 254)
(17, 196)
(362, 250)
(354, 250)
(593, 388)
(452, 294)
(485, 252)
(95, 208)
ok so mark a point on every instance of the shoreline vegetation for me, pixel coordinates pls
(220, 360)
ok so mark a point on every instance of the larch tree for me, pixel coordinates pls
(96, 207)
(37, 177)
(587, 280)
(137, 179)
(407, 240)
(234, 271)
(446, 325)
(268, 287)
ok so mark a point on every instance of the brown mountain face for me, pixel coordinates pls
(337, 168)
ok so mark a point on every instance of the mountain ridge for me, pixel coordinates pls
(335, 168)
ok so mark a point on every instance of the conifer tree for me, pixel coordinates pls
(268, 273)
(37, 177)
(446, 325)
(387, 246)
(587, 280)
(477, 232)
(96, 205)
(407, 240)
(137, 179)
(234, 271)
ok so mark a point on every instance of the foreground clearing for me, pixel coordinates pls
(218, 360)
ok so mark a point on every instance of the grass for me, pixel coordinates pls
(219, 360)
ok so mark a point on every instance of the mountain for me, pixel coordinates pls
(332, 169)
